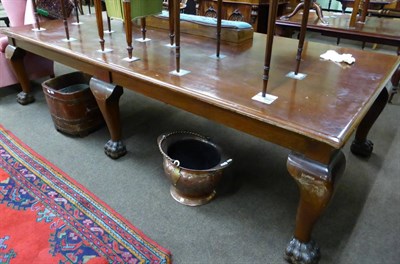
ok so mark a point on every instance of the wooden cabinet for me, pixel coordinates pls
(254, 12)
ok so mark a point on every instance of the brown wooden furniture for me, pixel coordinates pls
(373, 4)
(228, 33)
(391, 10)
(314, 117)
(375, 30)
(386, 12)
(254, 12)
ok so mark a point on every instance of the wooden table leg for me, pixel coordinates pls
(316, 182)
(16, 58)
(395, 80)
(107, 96)
(361, 146)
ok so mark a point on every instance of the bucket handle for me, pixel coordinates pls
(159, 140)
(177, 163)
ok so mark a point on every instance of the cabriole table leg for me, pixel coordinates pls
(107, 96)
(316, 182)
(16, 58)
(361, 146)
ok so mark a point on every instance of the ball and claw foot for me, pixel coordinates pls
(302, 253)
(114, 149)
(25, 98)
(362, 148)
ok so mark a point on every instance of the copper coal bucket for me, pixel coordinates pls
(194, 166)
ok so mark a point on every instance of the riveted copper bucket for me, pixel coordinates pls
(194, 166)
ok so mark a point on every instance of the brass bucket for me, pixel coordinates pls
(194, 166)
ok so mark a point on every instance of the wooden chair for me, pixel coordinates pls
(211, 12)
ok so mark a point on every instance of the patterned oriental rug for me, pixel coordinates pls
(46, 217)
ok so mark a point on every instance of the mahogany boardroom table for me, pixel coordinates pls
(314, 117)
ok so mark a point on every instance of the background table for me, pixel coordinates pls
(375, 30)
(374, 4)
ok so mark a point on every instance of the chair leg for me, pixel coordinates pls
(6, 21)
(81, 7)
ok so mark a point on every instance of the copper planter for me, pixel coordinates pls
(193, 164)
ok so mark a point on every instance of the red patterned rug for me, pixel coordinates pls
(47, 217)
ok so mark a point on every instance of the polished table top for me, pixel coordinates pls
(326, 106)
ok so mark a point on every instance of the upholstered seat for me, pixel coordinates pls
(19, 14)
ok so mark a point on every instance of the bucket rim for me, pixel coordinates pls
(224, 162)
